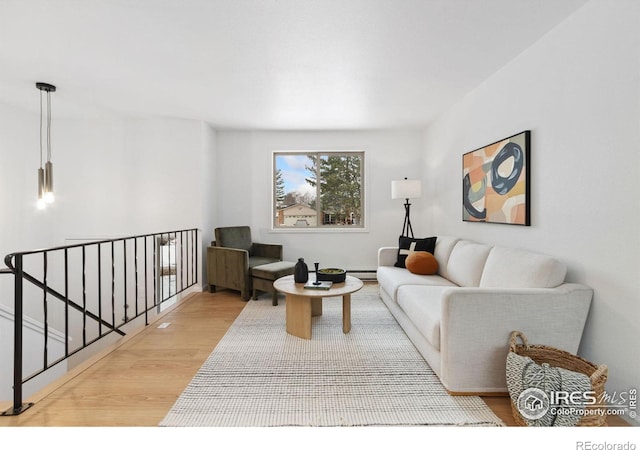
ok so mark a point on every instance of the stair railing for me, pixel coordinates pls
(93, 289)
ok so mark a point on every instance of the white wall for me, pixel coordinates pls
(578, 90)
(112, 177)
(123, 177)
(209, 190)
(21, 225)
(244, 179)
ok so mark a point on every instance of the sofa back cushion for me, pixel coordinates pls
(442, 252)
(466, 263)
(515, 268)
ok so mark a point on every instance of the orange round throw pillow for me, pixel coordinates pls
(422, 263)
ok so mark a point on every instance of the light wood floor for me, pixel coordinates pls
(136, 383)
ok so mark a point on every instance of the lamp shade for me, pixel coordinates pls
(406, 189)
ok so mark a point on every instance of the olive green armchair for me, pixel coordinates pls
(231, 257)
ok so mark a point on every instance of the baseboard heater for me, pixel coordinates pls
(364, 275)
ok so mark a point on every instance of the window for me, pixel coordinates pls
(318, 189)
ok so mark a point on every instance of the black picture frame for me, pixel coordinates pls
(496, 182)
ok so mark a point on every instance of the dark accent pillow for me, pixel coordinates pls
(406, 245)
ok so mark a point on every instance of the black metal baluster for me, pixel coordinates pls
(100, 289)
(18, 407)
(155, 279)
(176, 268)
(167, 293)
(45, 310)
(146, 281)
(113, 286)
(183, 251)
(169, 247)
(84, 296)
(124, 257)
(135, 272)
(195, 259)
(66, 302)
(192, 260)
(17, 336)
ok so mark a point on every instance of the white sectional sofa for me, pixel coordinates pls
(460, 319)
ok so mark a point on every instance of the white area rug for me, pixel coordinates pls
(258, 375)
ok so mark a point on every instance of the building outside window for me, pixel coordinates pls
(318, 189)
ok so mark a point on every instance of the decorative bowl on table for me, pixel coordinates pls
(332, 274)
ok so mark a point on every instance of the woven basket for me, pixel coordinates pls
(559, 358)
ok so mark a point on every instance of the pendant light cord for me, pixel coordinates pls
(48, 126)
(41, 129)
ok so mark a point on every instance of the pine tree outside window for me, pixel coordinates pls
(318, 190)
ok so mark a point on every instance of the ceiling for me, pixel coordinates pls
(263, 64)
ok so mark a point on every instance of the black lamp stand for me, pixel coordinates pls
(406, 228)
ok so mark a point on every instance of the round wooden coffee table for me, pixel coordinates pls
(302, 304)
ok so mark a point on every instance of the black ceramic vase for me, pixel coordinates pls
(301, 272)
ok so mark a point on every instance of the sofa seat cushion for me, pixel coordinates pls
(515, 268)
(260, 260)
(423, 306)
(391, 278)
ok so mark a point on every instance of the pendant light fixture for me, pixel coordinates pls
(45, 175)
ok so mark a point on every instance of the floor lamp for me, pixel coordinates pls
(406, 189)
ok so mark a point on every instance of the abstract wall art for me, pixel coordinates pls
(495, 182)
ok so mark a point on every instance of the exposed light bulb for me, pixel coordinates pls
(49, 197)
(41, 204)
